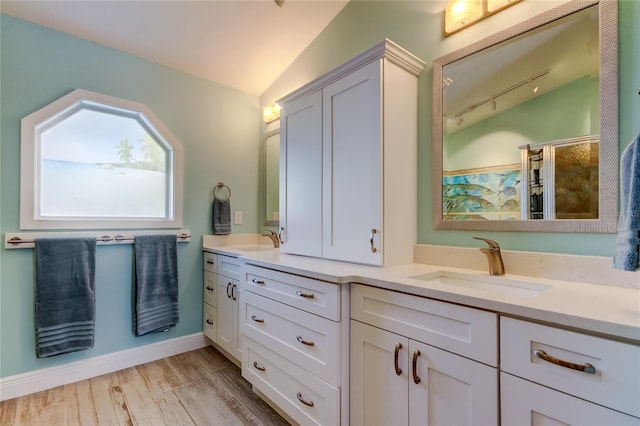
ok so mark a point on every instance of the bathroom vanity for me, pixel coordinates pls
(330, 343)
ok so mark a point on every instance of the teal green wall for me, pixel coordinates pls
(219, 128)
(417, 26)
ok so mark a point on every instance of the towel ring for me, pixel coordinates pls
(221, 186)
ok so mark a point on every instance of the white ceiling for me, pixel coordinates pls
(244, 44)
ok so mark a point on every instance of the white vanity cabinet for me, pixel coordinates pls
(554, 376)
(293, 343)
(420, 361)
(348, 161)
(228, 289)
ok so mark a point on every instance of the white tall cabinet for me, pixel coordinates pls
(348, 161)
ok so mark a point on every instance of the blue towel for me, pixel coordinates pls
(221, 216)
(627, 256)
(65, 295)
(156, 283)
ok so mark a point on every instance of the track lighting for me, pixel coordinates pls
(533, 88)
(493, 104)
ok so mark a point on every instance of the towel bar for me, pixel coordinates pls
(24, 240)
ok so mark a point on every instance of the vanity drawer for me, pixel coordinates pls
(303, 338)
(304, 397)
(526, 403)
(210, 288)
(210, 262)
(229, 266)
(614, 381)
(318, 297)
(472, 333)
(209, 322)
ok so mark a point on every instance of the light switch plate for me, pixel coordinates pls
(237, 218)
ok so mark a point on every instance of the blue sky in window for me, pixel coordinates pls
(91, 137)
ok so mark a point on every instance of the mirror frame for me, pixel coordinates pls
(267, 135)
(608, 158)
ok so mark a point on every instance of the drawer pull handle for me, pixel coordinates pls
(209, 322)
(306, 295)
(256, 319)
(210, 262)
(395, 359)
(209, 288)
(307, 403)
(373, 247)
(257, 281)
(257, 367)
(305, 342)
(228, 292)
(234, 292)
(586, 367)
(416, 379)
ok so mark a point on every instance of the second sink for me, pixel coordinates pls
(496, 284)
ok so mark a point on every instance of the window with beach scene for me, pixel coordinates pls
(98, 162)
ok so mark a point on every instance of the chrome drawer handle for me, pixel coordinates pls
(416, 379)
(257, 281)
(210, 262)
(209, 288)
(373, 248)
(306, 295)
(395, 359)
(256, 319)
(209, 322)
(305, 342)
(586, 367)
(257, 367)
(307, 403)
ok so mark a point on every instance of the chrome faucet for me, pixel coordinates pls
(272, 236)
(496, 267)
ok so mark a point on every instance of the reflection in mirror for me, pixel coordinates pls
(525, 126)
(271, 177)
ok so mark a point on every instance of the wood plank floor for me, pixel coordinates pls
(200, 387)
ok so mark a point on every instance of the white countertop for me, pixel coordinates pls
(598, 309)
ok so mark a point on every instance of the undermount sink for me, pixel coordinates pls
(492, 283)
(255, 248)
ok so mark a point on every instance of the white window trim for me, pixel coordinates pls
(29, 159)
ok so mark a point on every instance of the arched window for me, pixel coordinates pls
(91, 161)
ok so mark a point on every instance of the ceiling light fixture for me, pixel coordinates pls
(460, 14)
(271, 113)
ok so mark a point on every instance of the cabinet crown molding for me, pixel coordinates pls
(386, 49)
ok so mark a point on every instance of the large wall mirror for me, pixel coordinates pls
(271, 177)
(525, 126)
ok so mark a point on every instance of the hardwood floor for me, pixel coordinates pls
(195, 388)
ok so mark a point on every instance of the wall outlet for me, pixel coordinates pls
(237, 219)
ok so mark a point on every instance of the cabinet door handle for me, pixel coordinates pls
(234, 291)
(373, 247)
(209, 288)
(395, 359)
(228, 287)
(209, 322)
(305, 342)
(416, 379)
(257, 281)
(307, 403)
(280, 235)
(256, 319)
(586, 367)
(257, 367)
(306, 295)
(210, 262)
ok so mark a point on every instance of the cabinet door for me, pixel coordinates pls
(352, 165)
(525, 403)
(447, 389)
(378, 395)
(227, 323)
(301, 176)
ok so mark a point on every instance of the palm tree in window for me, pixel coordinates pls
(153, 153)
(124, 151)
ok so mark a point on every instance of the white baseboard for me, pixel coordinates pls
(47, 378)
